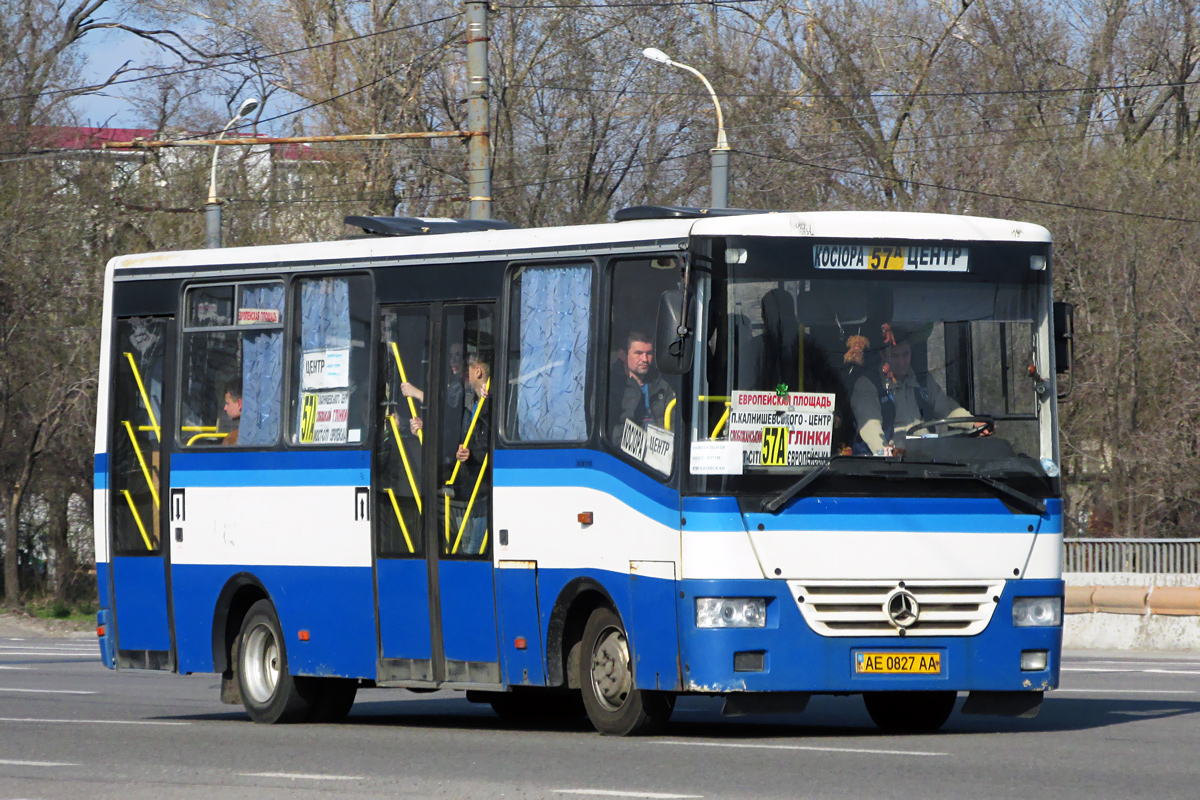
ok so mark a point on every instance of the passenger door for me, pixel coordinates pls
(140, 415)
(434, 578)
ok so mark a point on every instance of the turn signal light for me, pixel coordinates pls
(304, 636)
(520, 643)
(585, 518)
(100, 630)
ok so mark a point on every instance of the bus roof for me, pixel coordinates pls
(565, 240)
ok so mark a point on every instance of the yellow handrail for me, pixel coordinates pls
(400, 519)
(137, 376)
(447, 496)
(483, 544)
(412, 408)
(470, 504)
(137, 518)
(721, 422)
(142, 461)
(667, 413)
(715, 398)
(412, 482)
(206, 436)
(471, 428)
(194, 428)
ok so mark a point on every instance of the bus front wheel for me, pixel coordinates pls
(614, 705)
(269, 692)
(909, 712)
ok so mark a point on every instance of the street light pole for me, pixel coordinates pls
(212, 209)
(720, 153)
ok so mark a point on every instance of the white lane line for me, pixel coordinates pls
(90, 721)
(614, 793)
(1144, 671)
(8, 762)
(301, 776)
(45, 691)
(813, 748)
(7, 666)
(1175, 692)
(63, 654)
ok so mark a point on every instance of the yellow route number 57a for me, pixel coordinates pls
(774, 446)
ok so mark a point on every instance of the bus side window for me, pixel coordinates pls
(332, 363)
(549, 339)
(232, 365)
(642, 414)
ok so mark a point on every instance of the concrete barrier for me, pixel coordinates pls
(1176, 601)
(1132, 611)
(1079, 600)
(1120, 599)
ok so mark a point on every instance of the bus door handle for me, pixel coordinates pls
(178, 512)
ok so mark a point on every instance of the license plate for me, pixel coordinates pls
(898, 663)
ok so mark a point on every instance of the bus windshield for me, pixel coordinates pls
(920, 368)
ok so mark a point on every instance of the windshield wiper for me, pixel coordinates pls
(898, 469)
(839, 466)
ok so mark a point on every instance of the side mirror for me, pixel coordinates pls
(674, 335)
(1064, 341)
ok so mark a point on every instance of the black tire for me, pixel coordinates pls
(613, 704)
(269, 692)
(909, 712)
(331, 697)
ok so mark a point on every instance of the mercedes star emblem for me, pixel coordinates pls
(902, 608)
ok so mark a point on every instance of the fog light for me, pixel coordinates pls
(1034, 660)
(749, 661)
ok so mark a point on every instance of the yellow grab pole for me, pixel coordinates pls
(412, 407)
(483, 545)
(400, 519)
(721, 422)
(137, 376)
(447, 496)
(142, 461)
(192, 440)
(667, 413)
(471, 428)
(470, 505)
(412, 482)
(137, 518)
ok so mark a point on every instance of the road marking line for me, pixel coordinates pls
(14, 763)
(63, 654)
(6, 666)
(45, 691)
(90, 721)
(814, 748)
(301, 776)
(1124, 691)
(614, 793)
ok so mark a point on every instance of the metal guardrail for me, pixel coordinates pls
(1132, 555)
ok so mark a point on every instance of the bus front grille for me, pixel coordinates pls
(859, 608)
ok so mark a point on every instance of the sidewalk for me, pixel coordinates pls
(23, 626)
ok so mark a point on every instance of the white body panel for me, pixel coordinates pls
(718, 555)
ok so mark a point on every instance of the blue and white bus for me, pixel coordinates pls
(591, 468)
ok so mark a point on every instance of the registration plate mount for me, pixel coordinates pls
(897, 662)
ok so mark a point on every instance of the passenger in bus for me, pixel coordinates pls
(637, 391)
(892, 398)
(233, 409)
(473, 444)
(454, 379)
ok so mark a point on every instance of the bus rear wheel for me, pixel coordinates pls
(909, 712)
(269, 692)
(614, 705)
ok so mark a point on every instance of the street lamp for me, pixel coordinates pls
(212, 209)
(720, 153)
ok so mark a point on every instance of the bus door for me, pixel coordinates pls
(140, 415)
(437, 613)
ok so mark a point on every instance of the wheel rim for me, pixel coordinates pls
(612, 679)
(261, 663)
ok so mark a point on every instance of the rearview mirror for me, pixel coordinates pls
(673, 338)
(1064, 341)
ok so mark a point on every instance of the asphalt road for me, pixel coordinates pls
(1122, 726)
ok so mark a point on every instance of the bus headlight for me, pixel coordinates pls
(1037, 612)
(731, 612)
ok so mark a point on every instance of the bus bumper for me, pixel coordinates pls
(787, 655)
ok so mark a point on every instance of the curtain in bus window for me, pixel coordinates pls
(555, 306)
(262, 373)
(325, 306)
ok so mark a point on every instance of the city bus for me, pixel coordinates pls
(591, 469)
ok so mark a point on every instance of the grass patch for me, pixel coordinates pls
(78, 611)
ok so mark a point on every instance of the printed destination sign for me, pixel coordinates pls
(257, 316)
(716, 458)
(324, 417)
(325, 369)
(924, 258)
(652, 445)
(792, 430)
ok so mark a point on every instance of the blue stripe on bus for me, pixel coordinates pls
(277, 468)
(589, 469)
(100, 471)
(907, 514)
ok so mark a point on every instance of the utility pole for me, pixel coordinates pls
(478, 147)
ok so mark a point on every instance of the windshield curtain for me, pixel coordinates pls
(799, 371)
